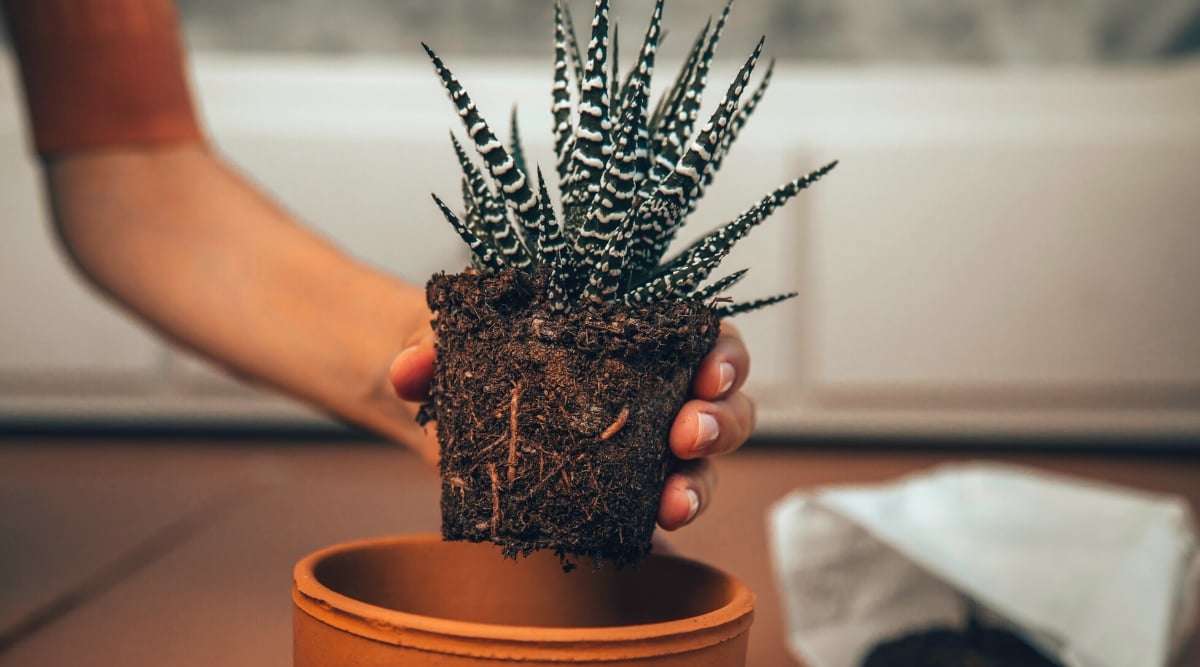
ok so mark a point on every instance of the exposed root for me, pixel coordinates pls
(495, 497)
(460, 484)
(546, 478)
(616, 425)
(514, 409)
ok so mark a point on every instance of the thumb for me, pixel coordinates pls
(412, 369)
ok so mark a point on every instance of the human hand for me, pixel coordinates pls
(718, 419)
(410, 374)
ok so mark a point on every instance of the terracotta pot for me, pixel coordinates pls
(417, 600)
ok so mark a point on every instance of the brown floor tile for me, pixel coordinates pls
(73, 518)
(221, 596)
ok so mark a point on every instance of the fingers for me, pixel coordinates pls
(724, 369)
(704, 428)
(685, 494)
(719, 419)
(412, 369)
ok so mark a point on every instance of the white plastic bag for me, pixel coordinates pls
(1092, 575)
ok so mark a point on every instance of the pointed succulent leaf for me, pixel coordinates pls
(718, 287)
(474, 220)
(491, 209)
(617, 184)
(473, 217)
(649, 219)
(482, 254)
(621, 90)
(739, 121)
(593, 140)
(679, 280)
(606, 280)
(643, 66)
(614, 73)
(640, 148)
(669, 102)
(573, 47)
(603, 238)
(551, 244)
(735, 126)
(729, 310)
(564, 127)
(677, 127)
(636, 92)
(565, 280)
(517, 191)
(563, 288)
(495, 227)
(515, 145)
(720, 241)
(683, 185)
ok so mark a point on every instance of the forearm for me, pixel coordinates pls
(191, 248)
(169, 231)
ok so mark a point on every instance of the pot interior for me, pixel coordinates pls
(472, 582)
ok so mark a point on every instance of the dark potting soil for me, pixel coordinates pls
(943, 647)
(553, 427)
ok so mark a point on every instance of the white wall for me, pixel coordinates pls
(999, 252)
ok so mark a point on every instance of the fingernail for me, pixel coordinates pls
(425, 339)
(693, 504)
(706, 432)
(403, 354)
(725, 374)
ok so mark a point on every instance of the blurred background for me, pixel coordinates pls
(1009, 246)
(1005, 266)
(1008, 32)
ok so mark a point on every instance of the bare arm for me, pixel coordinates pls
(192, 248)
(162, 225)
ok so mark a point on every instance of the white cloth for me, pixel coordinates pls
(1093, 575)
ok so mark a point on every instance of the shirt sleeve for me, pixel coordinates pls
(101, 73)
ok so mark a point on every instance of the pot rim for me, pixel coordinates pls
(467, 637)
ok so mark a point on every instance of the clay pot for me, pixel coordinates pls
(417, 600)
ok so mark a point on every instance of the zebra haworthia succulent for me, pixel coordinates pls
(628, 176)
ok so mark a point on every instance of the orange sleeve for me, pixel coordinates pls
(101, 73)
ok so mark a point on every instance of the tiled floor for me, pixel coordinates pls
(180, 553)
